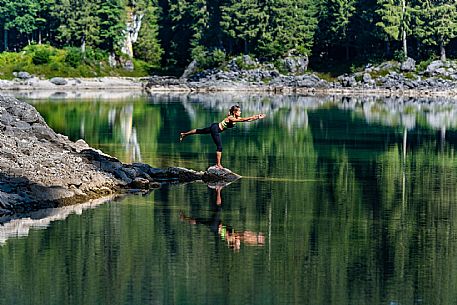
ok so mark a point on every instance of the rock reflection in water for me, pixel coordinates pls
(111, 94)
(20, 226)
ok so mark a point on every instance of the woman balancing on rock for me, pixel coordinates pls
(215, 129)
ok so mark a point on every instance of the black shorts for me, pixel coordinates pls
(214, 131)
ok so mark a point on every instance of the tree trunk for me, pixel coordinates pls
(347, 52)
(442, 52)
(5, 39)
(387, 48)
(403, 31)
(405, 47)
(246, 49)
(83, 44)
(230, 41)
(39, 36)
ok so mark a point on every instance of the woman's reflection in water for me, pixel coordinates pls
(225, 232)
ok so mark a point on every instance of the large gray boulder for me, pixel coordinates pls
(388, 65)
(366, 78)
(190, 70)
(433, 67)
(296, 64)
(248, 61)
(408, 65)
(59, 81)
(347, 80)
(23, 75)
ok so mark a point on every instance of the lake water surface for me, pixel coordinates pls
(342, 201)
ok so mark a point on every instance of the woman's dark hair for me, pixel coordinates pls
(234, 108)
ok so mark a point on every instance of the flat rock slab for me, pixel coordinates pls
(214, 174)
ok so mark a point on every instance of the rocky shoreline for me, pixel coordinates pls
(438, 78)
(42, 169)
(25, 81)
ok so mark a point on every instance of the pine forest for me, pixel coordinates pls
(166, 35)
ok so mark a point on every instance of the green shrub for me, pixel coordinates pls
(382, 73)
(41, 57)
(422, 66)
(73, 57)
(19, 66)
(54, 66)
(399, 55)
(92, 54)
(242, 64)
(218, 57)
(9, 58)
(356, 68)
(326, 76)
(41, 54)
(206, 59)
(410, 75)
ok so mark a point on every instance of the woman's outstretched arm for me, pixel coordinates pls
(248, 119)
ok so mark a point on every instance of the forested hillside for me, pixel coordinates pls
(168, 34)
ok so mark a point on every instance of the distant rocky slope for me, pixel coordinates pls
(40, 168)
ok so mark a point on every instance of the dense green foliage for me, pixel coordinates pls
(173, 32)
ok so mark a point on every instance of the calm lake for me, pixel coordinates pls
(342, 201)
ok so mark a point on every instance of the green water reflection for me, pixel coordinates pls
(342, 202)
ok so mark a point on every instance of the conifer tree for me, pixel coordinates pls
(78, 22)
(195, 28)
(395, 20)
(243, 20)
(339, 15)
(438, 23)
(291, 25)
(6, 17)
(181, 33)
(19, 15)
(367, 40)
(200, 22)
(44, 21)
(148, 47)
(112, 15)
(335, 29)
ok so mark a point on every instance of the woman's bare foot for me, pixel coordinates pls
(219, 166)
(181, 136)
